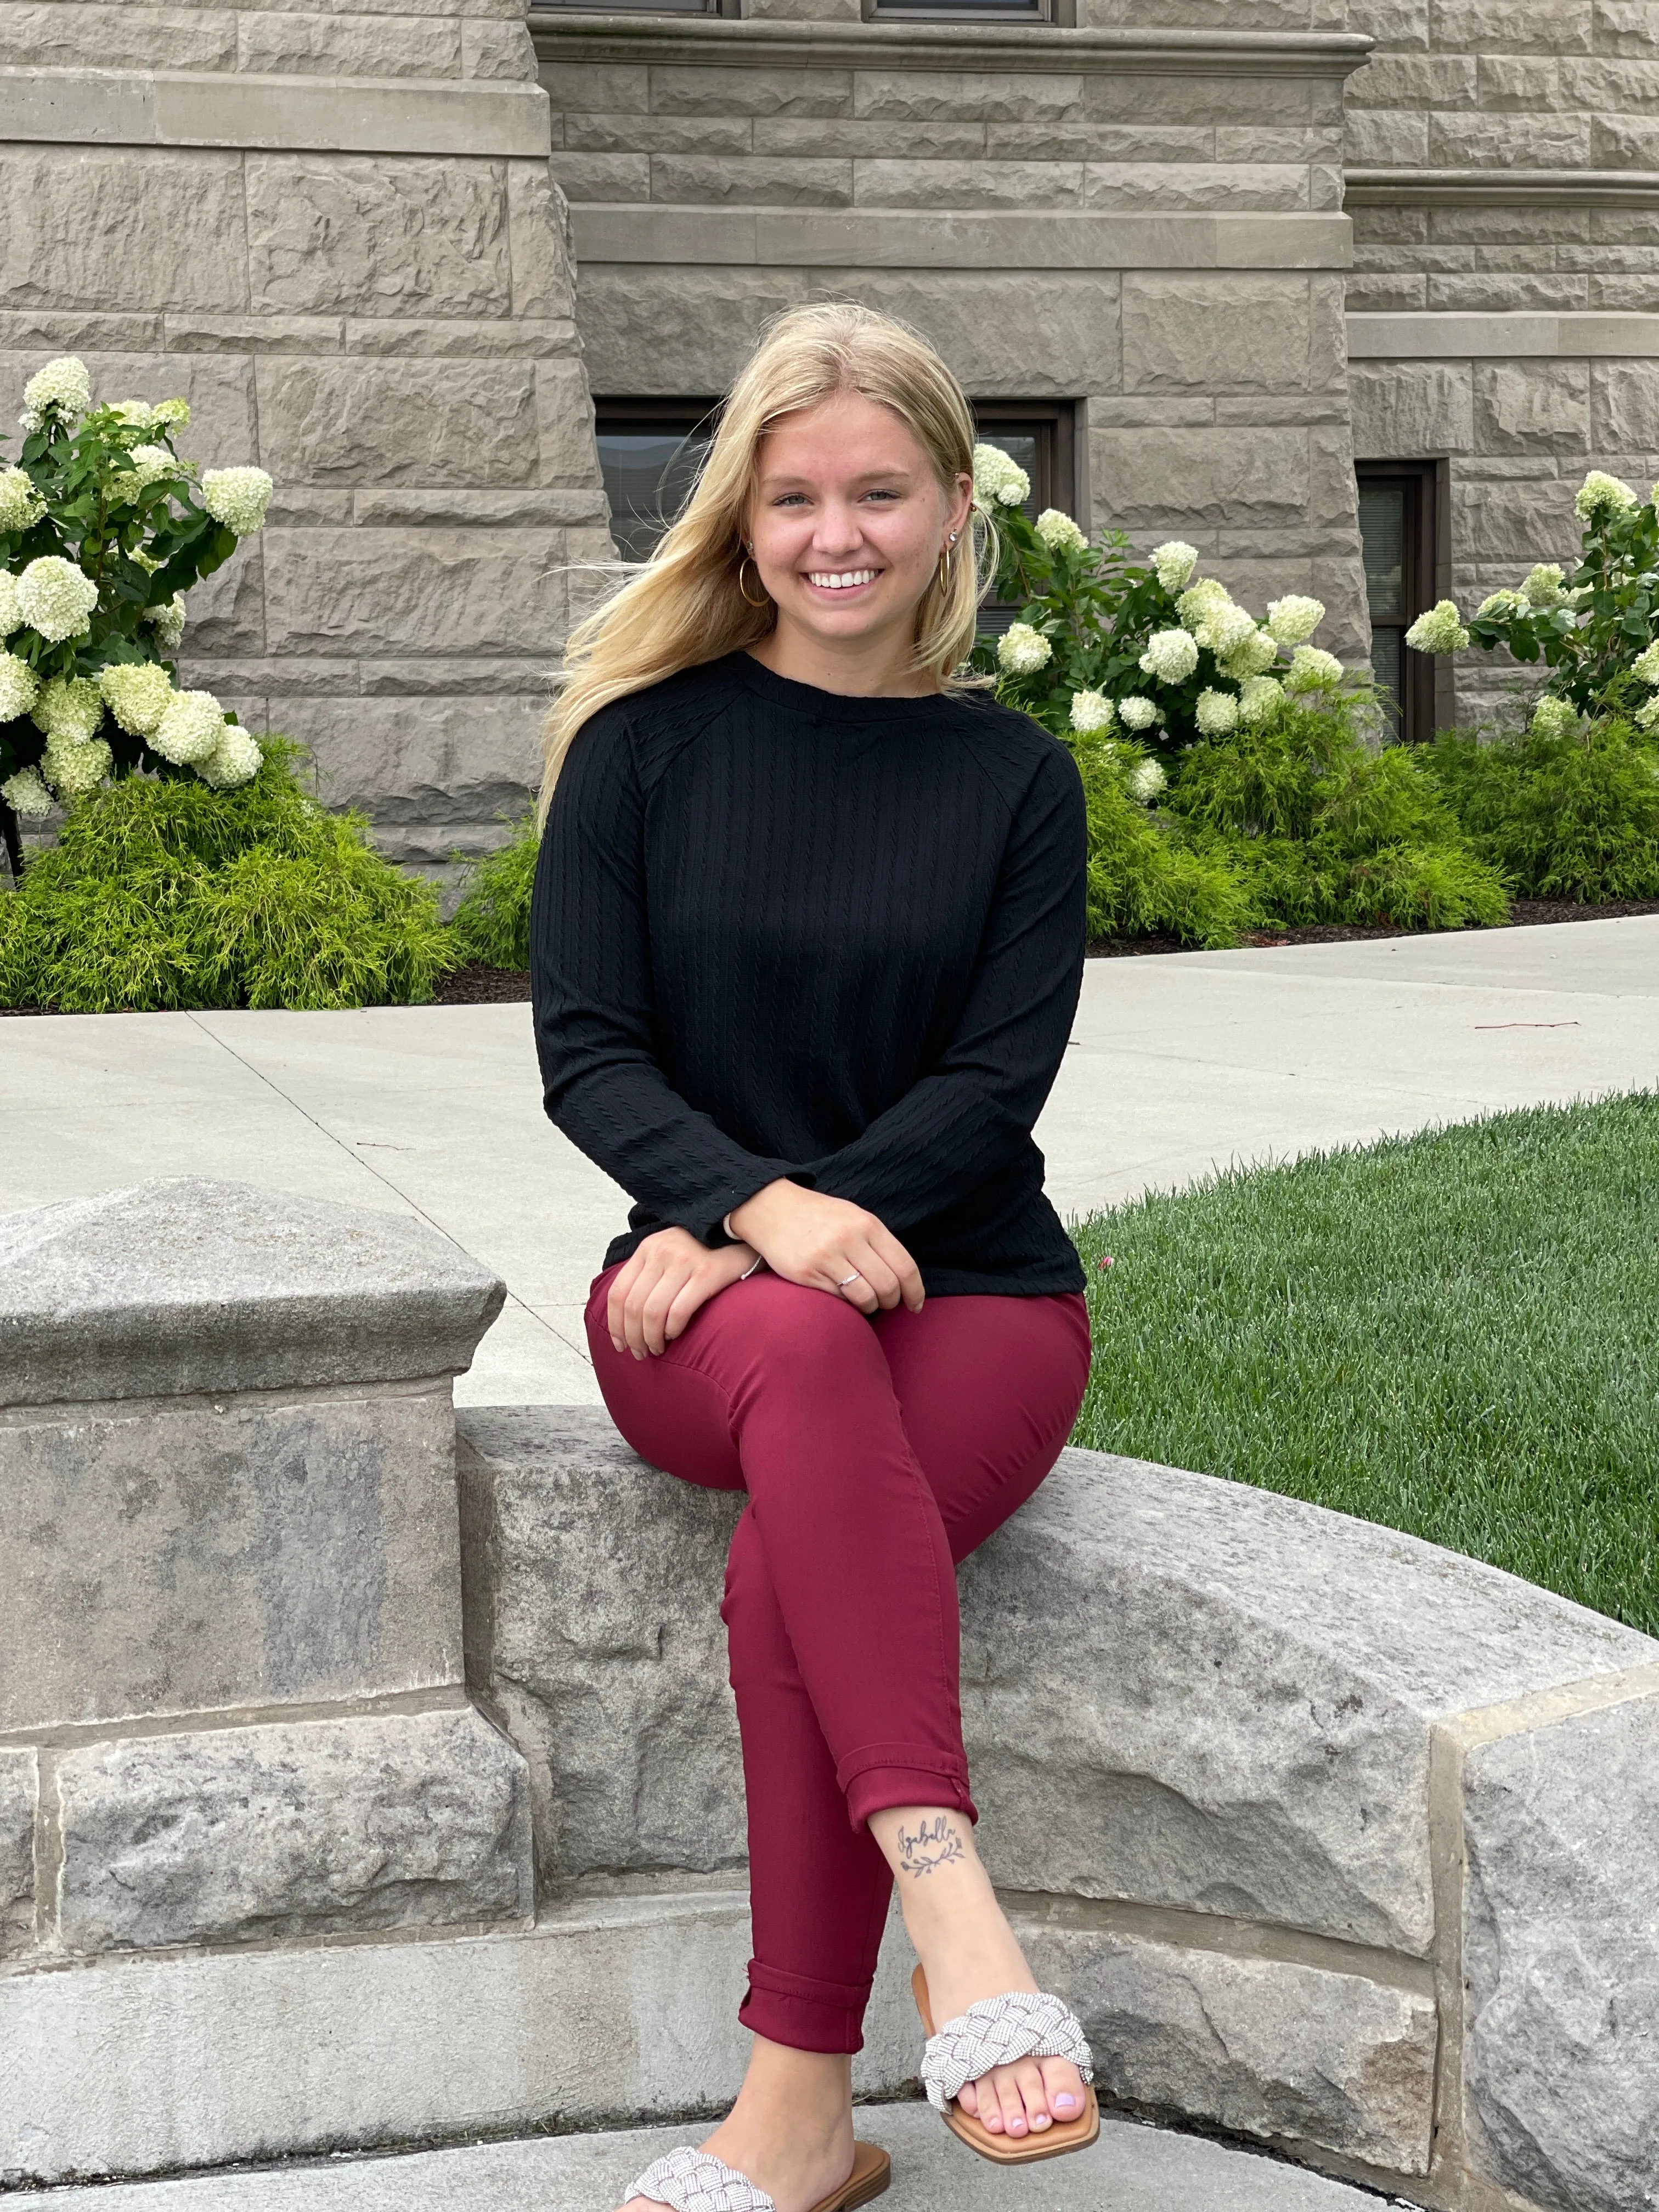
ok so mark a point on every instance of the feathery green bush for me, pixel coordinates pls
(491, 924)
(1567, 815)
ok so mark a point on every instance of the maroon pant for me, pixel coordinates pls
(875, 1454)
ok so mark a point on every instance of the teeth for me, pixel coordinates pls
(841, 583)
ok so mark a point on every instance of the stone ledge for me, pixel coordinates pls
(1543, 188)
(1428, 335)
(162, 107)
(873, 238)
(184, 1284)
(721, 43)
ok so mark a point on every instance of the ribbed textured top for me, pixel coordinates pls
(779, 932)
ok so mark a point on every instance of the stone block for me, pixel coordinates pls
(226, 609)
(219, 386)
(1626, 26)
(1413, 81)
(564, 414)
(182, 1284)
(108, 227)
(1561, 1959)
(930, 95)
(502, 52)
(357, 420)
(291, 42)
(1386, 137)
(1281, 102)
(1532, 407)
(906, 184)
(1554, 26)
(241, 1834)
(352, 592)
(241, 1552)
(1470, 140)
(839, 138)
(1166, 187)
(749, 180)
(68, 34)
(782, 91)
(1506, 295)
(609, 1673)
(1524, 520)
(1226, 332)
(627, 133)
(1404, 410)
(498, 510)
(978, 321)
(429, 760)
(598, 88)
(1201, 476)
(1296, 2054)
(607, 178)
(19, 1787)
(1626, 406)
(675, 330)
(378, 235)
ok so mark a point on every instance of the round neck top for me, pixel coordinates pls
(783, 932)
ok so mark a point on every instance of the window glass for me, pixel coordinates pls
(1382, 533)
(648, 475)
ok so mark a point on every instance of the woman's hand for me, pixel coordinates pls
(807, 1238)
(654, 1294)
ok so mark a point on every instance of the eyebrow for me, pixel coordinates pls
(870, 476)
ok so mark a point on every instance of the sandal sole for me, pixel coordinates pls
(1055, 2140)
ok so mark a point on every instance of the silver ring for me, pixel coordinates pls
(854, 1277)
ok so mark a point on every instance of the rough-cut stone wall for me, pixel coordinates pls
(1503, 168)
(336, 234)
(1127, 219)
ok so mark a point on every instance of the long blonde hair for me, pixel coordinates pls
(685, 606)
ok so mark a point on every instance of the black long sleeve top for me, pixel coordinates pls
(779, 932)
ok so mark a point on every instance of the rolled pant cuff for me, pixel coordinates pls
(887, 1774)
(803, 2014)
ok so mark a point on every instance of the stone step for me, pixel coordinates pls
(1131, 2169)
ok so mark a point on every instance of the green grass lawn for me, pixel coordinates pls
(1456, 1334)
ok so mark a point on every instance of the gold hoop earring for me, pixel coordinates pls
(765, 599)
(943, 575)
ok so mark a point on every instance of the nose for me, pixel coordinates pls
(839, 532)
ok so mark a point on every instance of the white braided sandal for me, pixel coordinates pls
(996, 2031)
(696, 2181)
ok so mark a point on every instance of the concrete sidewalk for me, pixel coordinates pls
(1177, 1064)
(1130, 2169)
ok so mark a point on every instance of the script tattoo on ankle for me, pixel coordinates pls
(935, 1844)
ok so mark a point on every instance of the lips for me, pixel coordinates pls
(844, 579)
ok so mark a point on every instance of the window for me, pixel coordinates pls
(650, 450)
(969, 11)
(1397, 535)
(633, 8)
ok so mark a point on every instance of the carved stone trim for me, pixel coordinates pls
(1505, 188)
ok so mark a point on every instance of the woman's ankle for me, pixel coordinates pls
(815, 2087)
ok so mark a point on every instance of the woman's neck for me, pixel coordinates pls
(877, 667)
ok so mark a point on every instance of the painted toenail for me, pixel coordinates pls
(1065, 2100)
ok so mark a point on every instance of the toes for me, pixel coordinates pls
(1028, 2079)
(1014, 2121)
(1063, 2088)
(969, 2098)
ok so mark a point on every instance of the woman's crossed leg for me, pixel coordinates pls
(876, 1454)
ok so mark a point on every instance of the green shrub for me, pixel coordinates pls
(170, 894)
(1142, 881)
(1569, 817)
(492, 922)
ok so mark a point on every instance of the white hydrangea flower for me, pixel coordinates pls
(150, 464)
(11, 614)
(1171, 655)
(1058, 532)
(1544, 585)
(73, 766)
(1146, 780)
(1555, 718)
(1503, 603)
(61, 388)
(1091, 712)
(1258, 697)
(1173, 563)
(176, 411)
(57, 599)
(26, 796)
(235, 760)
(1312, 669)
(1647, 718)
(1021, 650)
(169, 620)
(1138, 713)
(1602, 494)
(1226, 630)
(237, 497)
(1252, 656)
(1217, 713)
(70, 707)
(998, 480)
(137, 693)
(190, 728)
(20, 505)
(1440, 630)
(139, 412)
(1294, 618)
(1646, 664)
(1202, 598)
(20, 687)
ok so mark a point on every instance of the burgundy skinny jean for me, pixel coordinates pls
(876, 1454)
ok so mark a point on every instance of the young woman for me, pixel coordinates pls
(807, 941)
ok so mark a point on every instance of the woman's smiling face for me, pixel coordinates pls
(849, 522)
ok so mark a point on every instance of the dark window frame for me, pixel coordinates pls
(1419, 582)
(633, 8)
(1061, 13)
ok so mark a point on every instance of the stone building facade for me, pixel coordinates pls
(1208, 257)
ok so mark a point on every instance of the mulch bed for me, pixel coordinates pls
(483, 986)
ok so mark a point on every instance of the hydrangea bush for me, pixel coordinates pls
(1596, 630)
(104, 527)
(1147, 659)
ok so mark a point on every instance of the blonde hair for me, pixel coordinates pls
(685, 606)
